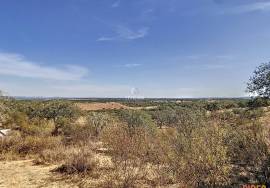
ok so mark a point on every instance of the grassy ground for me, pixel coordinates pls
(24, 174)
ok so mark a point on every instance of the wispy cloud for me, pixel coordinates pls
(248, 7)
(148, 15)
(116, 4)
(126, 33)
(106, 39)
(207, 56)
(132, 65)
(17, 65)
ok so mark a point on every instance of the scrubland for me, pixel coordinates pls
(200, 143)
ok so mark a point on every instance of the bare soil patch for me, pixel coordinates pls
(109, 106)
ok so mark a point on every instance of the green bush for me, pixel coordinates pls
(164, 117)
(95, 122)
(137, 119)
(258, 102)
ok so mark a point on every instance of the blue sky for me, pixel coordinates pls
(107, 48)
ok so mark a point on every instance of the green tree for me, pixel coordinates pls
(259, 83)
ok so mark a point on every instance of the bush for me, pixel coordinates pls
(62, 152)
(258, 102)
(197, 154)
(81, 161)
(130, 152)
(137, 119)
(213, 106)
(95, 122)
(246, 144)
(28, 145)
(164, 117)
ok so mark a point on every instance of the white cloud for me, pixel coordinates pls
(251, 7)
(106, 38)
(116, 4)
(132, 65)
(125, 33)
(17, 65)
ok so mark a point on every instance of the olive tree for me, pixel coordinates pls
(259, 83)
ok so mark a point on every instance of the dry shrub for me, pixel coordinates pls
(265, 177)
(95, 122)
(201, 158)
(130, 152)
(8, 146)
(37, 127)
(29, 145)
(81, 161)
(52, 156)
(35, 144)
(194, 153)
(61, 153)
(247, 143)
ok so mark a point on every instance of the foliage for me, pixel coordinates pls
(136, 119)
(198, 155)
(164, 116)
(259, 83)
(95, 122)
(258, 102)
(130, 148)
(27, 145)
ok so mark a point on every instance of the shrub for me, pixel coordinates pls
(246, 143)
(213, 106)
(80, 162)
(62, 152)
(36, 144)
(8, 145)
(137, 119)
(29, 145)
(265, 176)
(258, 102)
(164, 116)
(130, 152)
(197, 153)
(95, 122)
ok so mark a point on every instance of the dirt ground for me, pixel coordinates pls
(24, 174)
(108, 106)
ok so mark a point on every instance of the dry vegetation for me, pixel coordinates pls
(194, 144)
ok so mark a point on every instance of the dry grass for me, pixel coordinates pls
(23, 174)
(80, 162)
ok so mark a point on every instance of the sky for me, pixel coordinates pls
(132, 48)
